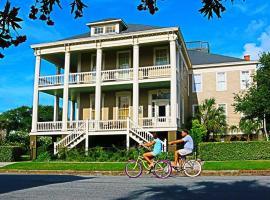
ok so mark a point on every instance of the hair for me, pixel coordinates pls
(155, 135)
(186, 131)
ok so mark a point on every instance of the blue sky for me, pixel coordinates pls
(243, 29)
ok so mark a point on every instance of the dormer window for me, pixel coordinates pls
(110, 29)
(99, 30)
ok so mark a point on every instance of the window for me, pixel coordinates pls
(221, 81)
(244, 79)
(110, 29)
(195, 110)
(123, 107)
(197, 83)
(123, 60)
(224, 107)
(99, 30)
(161, 56)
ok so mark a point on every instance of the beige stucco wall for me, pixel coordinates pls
(222, 97)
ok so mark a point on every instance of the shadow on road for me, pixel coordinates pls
(9, 183)
(238, 190)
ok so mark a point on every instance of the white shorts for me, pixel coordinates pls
(184, 152)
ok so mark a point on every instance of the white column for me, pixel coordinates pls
(86, 144)
(65, 94)
(136, 84)
(98, 84)
(78, 107)
(173, 82)
(56, 102)
(56, 108)
(72, 110)
(36, 94)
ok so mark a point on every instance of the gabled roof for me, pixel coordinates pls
(130, 28)
(201, 58)
(105, 20)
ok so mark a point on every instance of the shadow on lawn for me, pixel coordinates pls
(206, 190)
(9, 183)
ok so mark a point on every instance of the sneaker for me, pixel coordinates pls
(150, 171)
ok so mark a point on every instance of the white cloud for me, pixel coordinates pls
(263, 45)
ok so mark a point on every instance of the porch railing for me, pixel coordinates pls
(155, 122)
(51, 80)
(117, 75)
(49, 126)
(154, 72)
(82, 78)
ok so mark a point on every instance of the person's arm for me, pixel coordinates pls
(148, 144)
(176, 142)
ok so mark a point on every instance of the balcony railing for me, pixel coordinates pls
(151, 72)
(105, 125)
(161, 71)
(51, 80)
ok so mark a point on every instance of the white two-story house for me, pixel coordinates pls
(117, 80)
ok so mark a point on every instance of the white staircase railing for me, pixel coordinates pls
(142, 135)
(76, 134)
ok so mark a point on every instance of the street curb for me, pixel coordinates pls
(121, 173)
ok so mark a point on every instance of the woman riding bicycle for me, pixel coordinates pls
(148, 156)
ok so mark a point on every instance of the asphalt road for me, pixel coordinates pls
(181, 188)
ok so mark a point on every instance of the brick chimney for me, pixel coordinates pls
(247, 57)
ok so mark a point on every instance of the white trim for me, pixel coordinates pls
(226, 64)
(160, 48)
(117, 58)
(226, 83)
(92, 63)
(150, 93)
(102, 37)
(223, 69)
(91, 98)
(104, 22)
(193, 89)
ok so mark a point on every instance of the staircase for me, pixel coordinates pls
(79, 134)
(72, 139)
(141, 135)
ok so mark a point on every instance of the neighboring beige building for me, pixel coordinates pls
(122, 81)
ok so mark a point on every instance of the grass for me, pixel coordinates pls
(110, 166)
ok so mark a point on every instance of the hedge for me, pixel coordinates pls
(222, 151)
(10, 153)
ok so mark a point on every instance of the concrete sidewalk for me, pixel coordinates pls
(3, 164)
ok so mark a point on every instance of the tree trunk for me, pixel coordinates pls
(264, 128)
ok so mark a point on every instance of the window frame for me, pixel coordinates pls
(155, 55)
(217, 81)
(193, 82)
(249, 79)
(99, 27)
(117, 58)
(193, 109)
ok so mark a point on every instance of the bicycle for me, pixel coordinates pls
(191, 168)
(134, 168)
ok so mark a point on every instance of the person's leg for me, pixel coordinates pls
(176, 158)
(148, 157)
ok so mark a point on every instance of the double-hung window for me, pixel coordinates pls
(244, 79)
(221, 81)
(110, 29)
(99, 30)
(161, 56)
(197, 83)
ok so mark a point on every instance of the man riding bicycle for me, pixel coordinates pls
(188, 147)
(148, 156)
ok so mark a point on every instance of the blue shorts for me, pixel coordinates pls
(155, 153)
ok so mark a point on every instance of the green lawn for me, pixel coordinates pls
(213, 165)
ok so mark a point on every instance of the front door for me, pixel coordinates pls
(161, 111)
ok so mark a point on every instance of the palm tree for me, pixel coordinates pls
(249, 126)
(212, 117)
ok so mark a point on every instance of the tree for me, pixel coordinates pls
(19, 119)
(212, 117)
(42, 9)
(249, 126)
(254, 103)
(198, 131)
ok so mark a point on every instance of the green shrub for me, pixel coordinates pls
(198, 131)
(44, 157)
(221, 151)
(10, 153)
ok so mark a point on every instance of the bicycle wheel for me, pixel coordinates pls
(133, 169)
(192, 168)
(162, 169)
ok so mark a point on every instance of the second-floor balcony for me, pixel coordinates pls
(116, 75)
